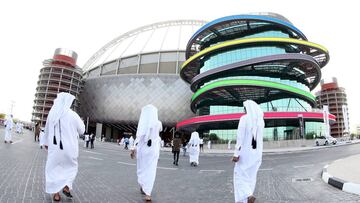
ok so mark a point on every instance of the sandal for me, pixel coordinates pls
(56, 197)
(67, 193)
(251, 199)
(147, 198)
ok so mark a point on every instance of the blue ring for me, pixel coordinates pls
(248, 17)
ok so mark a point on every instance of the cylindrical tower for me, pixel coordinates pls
(59, 74)
(335, 97)
(262, 57)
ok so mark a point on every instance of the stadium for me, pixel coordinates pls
(137, 68)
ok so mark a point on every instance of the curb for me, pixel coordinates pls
(339, 183)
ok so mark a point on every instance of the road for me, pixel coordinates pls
(107, 174)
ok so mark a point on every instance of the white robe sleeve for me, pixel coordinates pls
(80, 126)
(240, 136)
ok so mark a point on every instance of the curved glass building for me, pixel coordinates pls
(262, 57)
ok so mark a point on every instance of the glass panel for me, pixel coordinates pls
(128, 62)
(110, 68)
(148, 68)
(128, 70)
(168, 67)
(168, 57)
(95, 72)
(149, 58)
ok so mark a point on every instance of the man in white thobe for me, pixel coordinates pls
(9, 124)
(131, 141)
(41, 137)
(147, 147)
(62, 130)
(248, 152)
(194, 149)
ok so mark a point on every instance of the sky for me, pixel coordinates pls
(32, 30)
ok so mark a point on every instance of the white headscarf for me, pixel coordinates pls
(61, 105)
(195, 140)
(9, 121)
(148, 120)
(256, 116)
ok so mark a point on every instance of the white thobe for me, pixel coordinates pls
(62, 165)
(131, 141)
(147, 158)
(246, 168)
(194, 150)
(9, 125)
(41, 138)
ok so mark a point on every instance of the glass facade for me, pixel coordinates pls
(269, 79)
(287, 105)
(238, 55)
(312, 129)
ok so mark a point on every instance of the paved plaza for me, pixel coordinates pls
(107, 174)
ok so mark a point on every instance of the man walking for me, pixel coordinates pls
(248, 152)
(63, 127)
(37, 131)
(9, 124)
(176, 147)
(147, 148)
(92, 139)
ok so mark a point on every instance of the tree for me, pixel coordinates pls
(310, 135)
(213, 136)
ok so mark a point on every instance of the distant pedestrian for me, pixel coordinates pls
(209, 144)
(229, 144)
(184, 147)
(202, 144)
(126, 143)
(87, 140)
(147, 149)
(9, 124)
(248, 152)
(176, 147)
(41, 137)
(194, 149)
(37, 131)
(63, 126)
(131, 141)
(92, 139)
(18, 127)
(121, 141)
(162, 143)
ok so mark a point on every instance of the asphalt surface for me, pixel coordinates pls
(107, 174)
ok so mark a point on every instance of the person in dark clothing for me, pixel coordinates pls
(176, 147)
(92, 138)
(37, 131)
(184, 146)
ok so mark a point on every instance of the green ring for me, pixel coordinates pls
(260, 83)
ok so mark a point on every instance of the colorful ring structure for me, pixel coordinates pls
(259, 57)
(264, 66)
(222, 28)
(230, 121)
(263, 91)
